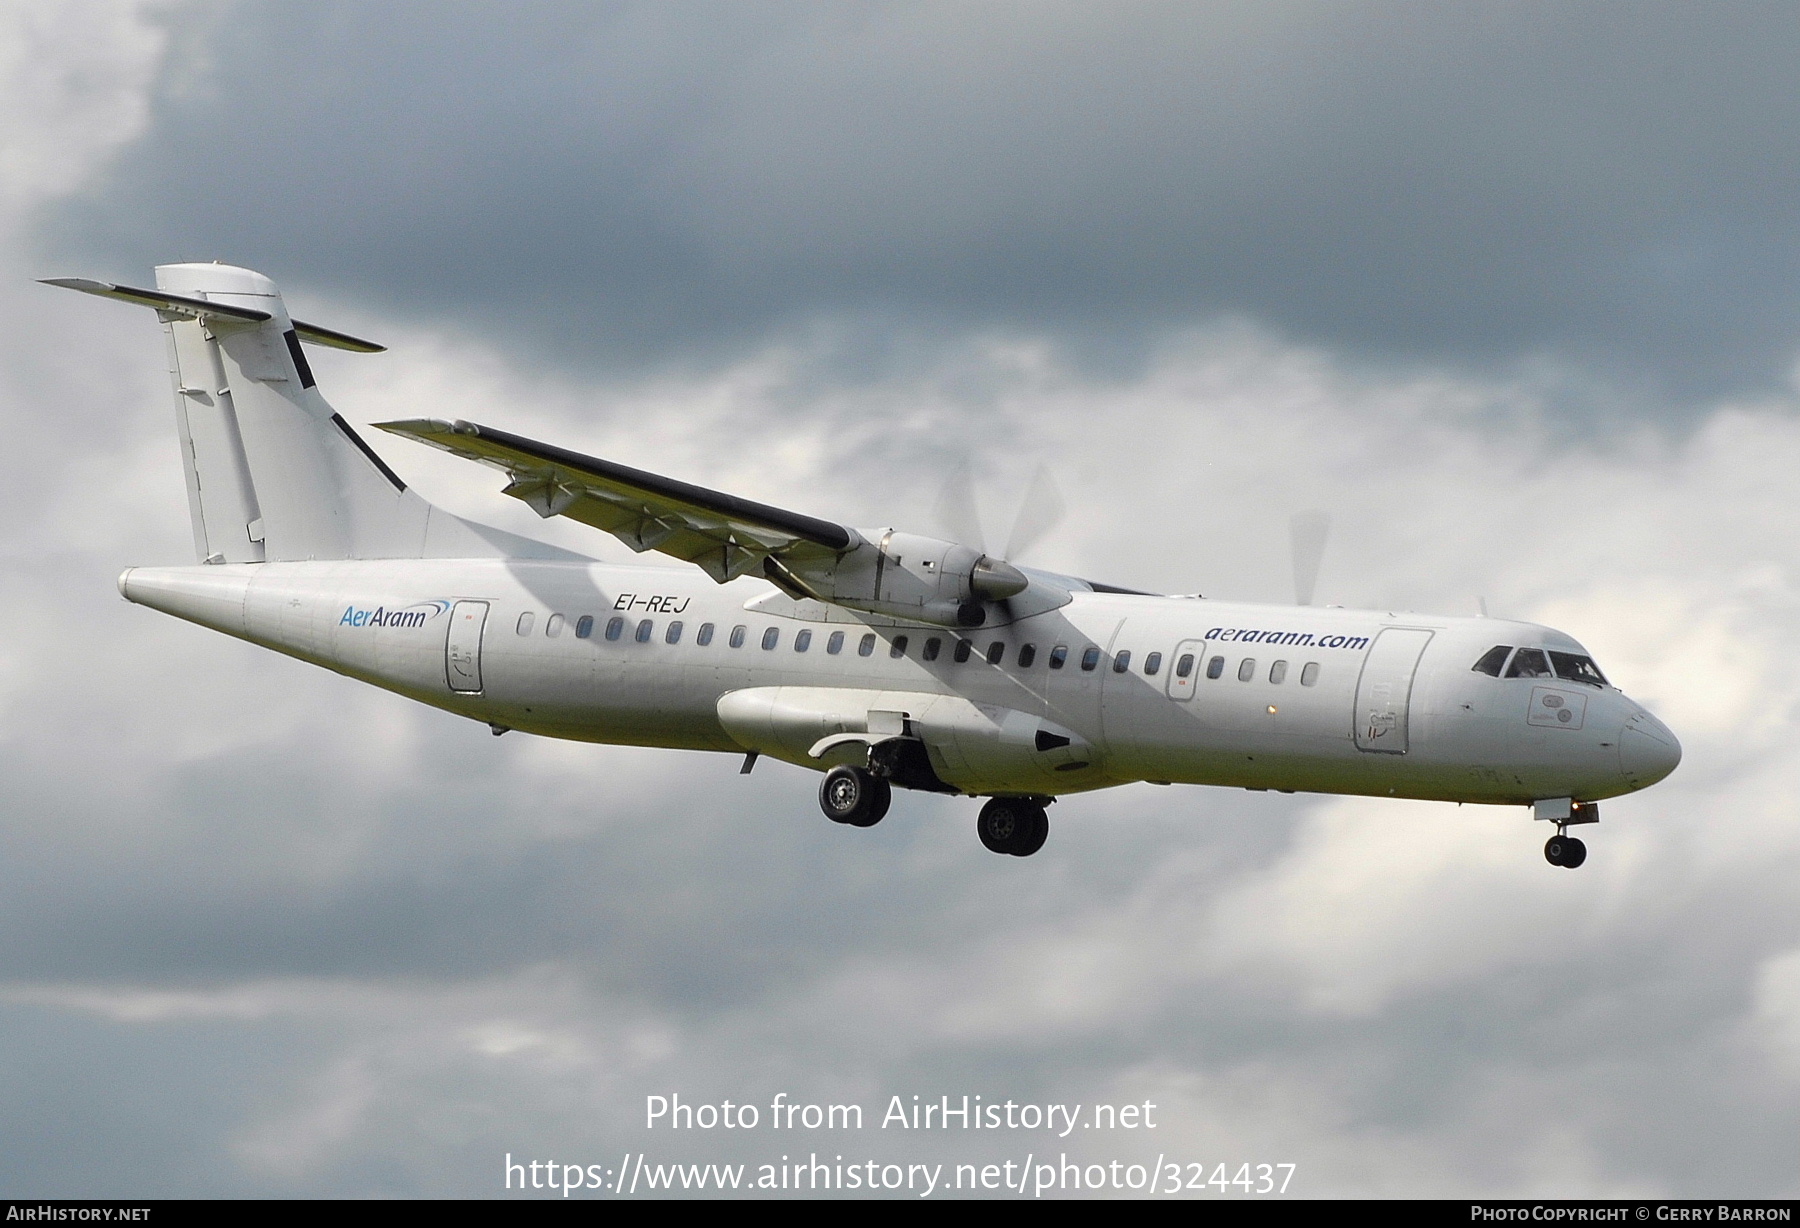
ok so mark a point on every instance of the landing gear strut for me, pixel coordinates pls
(851, 795)
(1014, 825)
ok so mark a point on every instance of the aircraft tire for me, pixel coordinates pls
(1564, 851)
(1032, 837)
(1012, 825)
(851, 795)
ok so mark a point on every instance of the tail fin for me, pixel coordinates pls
(272, 472)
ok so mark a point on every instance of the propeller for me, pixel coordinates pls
(1040, 511)
(1308, 531)
(959, 515)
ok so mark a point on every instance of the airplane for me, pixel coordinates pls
(875, 656)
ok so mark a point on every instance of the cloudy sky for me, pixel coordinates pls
(1512, 291)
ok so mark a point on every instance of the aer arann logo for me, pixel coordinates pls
(415, 615)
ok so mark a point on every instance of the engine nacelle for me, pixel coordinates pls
(906, 575)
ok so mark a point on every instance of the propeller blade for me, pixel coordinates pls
(955, 510)
(1040, 512)
(1309, 530)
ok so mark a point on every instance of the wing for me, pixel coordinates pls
(722, 534)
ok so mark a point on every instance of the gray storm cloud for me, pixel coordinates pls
(270, 932)
(1463, 183)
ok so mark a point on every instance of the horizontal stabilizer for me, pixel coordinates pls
(199, 308)
(722, 534)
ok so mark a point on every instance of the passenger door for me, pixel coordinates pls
(1384, 690)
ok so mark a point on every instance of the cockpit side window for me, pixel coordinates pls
(1528, 663)
(1492, 660)
(1577, 668)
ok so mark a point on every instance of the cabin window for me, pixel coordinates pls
(645, 630)
(802, 641)
(1309, 674)
(703, 637)
(1153, 662)
(673, 635)
(1122, 662)
(737, 636)
(1492, 660)
(1059, 656)
(931, 648)
(553, 625)
(996, 652)
(898, 647)
(835, 644)
(866, 647)
(584, 626)
(525, 621)
(1215, 668)
(1246, 669)
(1528, 663)
(1027, 654)
(1090, 657)
(963, 649)
(615, 627)
(771, 637)
(1278, 672)
(1185, 666)
(1576, 668)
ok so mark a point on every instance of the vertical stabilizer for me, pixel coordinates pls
(273, 474)
(264, 445)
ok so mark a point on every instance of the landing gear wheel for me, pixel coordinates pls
(1012, 825)
(850, 795)
(1032, 839)
(1564, 851)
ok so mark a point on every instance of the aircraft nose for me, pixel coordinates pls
(1647, 751)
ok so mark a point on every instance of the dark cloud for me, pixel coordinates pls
(1607, 183)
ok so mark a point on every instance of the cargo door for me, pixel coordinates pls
(462, 649)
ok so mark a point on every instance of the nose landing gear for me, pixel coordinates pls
(1562, 849)
(1565, 851)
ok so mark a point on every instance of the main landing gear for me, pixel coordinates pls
(854, 796)
(859, 798)
(1015, 825)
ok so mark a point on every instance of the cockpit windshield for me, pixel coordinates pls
(1528, 663)
(1537, 663)
(1577, 668)
(1492, 660)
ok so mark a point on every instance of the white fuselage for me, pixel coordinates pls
(1361, 702)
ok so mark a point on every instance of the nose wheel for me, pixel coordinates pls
(1014, 825)
(1565, 851)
